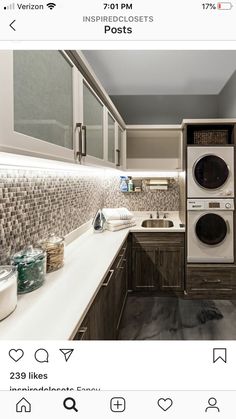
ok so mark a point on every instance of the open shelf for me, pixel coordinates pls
(151, 148)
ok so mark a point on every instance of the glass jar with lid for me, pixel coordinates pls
(54, 247)
(31, 266)
(8, 290)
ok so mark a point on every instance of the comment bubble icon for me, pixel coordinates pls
(41, 355)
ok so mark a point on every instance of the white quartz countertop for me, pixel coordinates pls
(54, 311)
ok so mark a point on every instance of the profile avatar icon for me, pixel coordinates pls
(212, 405)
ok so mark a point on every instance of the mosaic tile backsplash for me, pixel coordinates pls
(145, 201)
(35, 203)
(32, 205)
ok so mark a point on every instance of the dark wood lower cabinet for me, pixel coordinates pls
(157, 265)
(207, 281)
(120, 290)
(158, 262)
(170, 268)
(152, 262)
(144, 268)
(103, 318)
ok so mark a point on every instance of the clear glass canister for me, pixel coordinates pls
(31, 266)
(54, 247)
(8, 290)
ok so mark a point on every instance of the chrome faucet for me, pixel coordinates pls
(158, 215)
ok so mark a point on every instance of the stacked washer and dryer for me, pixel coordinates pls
(210, 204)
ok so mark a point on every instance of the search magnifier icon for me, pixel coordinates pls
(70, 404)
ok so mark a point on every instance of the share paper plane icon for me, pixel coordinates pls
(67, 353)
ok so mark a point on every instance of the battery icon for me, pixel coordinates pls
(225, 5)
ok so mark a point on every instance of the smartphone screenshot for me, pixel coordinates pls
(117, 209)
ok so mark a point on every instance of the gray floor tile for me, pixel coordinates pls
(162, 318)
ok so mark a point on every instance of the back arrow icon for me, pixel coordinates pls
(11, 25)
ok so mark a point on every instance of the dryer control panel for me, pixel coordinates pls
(210, 204)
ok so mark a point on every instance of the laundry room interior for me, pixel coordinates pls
(117, 195)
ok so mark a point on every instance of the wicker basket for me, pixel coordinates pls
(208, 137)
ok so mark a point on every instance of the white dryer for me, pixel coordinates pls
(210, 172)
(210, 234)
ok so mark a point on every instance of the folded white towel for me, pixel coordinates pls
(111, 227)
(117, 214)
(116, 223)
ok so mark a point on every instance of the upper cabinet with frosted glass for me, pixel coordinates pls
(37, 109)
(48, 109)
(91, 126)
(98, 134)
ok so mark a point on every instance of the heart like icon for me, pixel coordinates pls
(165, 404)
(16, 354)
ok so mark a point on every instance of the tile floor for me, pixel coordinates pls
(162, 318)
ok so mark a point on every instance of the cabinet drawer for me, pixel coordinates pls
(212, 280)
(171, 239)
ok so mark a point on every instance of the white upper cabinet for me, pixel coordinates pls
(49, 110)
(154, 147)
(37, 95)
(97, 130)
(93, 124)
(53, 106)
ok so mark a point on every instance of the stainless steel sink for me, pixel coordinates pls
(156, 223)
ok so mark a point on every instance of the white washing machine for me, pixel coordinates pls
(210, 172)
(210, 234)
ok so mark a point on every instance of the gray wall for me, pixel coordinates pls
(227, 99)
(166, 109)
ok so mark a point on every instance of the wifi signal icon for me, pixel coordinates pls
(51, 5)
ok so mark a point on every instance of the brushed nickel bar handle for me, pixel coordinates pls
(122, 252)
(121, 257)
(215, 281)
(78, 153)
(118, 154)
(84, 153)
(82, 332)
(122, 267)
(106, 283)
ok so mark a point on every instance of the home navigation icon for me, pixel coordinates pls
(23, 406)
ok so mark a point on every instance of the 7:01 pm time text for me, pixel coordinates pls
(117, 6)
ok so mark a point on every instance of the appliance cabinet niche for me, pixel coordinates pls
(158, 262)
(103, 318)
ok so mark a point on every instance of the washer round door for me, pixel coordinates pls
(211, 172)
(211, 229)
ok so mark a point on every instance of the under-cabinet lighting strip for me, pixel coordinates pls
(152, 174)
(15, 161)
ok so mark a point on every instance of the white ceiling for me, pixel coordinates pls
(162, 72)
